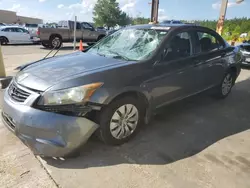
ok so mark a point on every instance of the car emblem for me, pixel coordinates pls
(22, 77)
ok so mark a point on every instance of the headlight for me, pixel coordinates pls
(69, 96)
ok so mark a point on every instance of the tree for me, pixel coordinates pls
(107, 13)
(140, 20)
(124, 19)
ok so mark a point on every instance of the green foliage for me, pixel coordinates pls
(232, 28)
(140, 20)
(107, 13)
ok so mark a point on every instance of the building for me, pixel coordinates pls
(10, 17)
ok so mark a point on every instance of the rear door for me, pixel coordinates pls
(22, 35)
(211, 53)
(78, 30)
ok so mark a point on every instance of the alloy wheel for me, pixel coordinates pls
(227, 84)
(55, 42)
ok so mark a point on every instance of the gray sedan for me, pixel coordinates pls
(113, 88)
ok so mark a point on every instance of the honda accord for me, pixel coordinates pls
(112, 88)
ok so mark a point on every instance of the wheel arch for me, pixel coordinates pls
(55, 35)
(234, 70)
(101, 36)
(5, 38)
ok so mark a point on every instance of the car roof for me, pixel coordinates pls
(160, 26)
(10, 26)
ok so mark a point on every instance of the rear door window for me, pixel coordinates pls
(209, 42)
(8, 30)
(19, 30)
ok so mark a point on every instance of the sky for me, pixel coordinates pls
(55, 10)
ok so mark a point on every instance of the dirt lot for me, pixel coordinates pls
(199, 142)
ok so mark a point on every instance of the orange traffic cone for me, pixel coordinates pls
(81, 46)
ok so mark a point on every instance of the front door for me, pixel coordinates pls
(175, 76)
(11, 34)
(89, 33)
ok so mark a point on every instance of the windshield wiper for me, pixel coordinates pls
(120, 56)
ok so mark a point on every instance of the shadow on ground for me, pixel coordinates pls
(179, 131)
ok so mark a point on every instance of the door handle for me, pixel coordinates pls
(198, 63)
(223, 54)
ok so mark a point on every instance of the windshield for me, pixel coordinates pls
(130, 44)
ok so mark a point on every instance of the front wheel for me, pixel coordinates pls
(120, 121)
(224, 89)
(3, 40)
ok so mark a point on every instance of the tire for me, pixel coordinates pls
(3, 40)
(45, 45)
(100, 37)
(115, 131)
(224, 89)
(55, 42)
(90, 44)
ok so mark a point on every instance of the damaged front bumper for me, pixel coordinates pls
(46, 133)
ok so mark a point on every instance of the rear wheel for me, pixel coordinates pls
(90, 44)
(100, 37)
(3, 40)
(55, 42)
(45, 45)
(120, 121)
(224, 89)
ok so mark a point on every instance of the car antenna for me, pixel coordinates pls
(57, 51)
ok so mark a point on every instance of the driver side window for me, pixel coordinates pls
(179, 47)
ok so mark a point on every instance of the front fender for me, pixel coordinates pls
(105, 96)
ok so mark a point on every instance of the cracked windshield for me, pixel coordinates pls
(139, 45)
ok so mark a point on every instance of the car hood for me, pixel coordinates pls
(45, 73)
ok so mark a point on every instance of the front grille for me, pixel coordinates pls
(8, 120)
(71, 110)
(17, 94)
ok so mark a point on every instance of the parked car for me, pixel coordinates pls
(102, 29)
(171, 22)
(14, 35)
(245, 50)
(33, 30)
(54, 37)
(111, 31)
(112, 88)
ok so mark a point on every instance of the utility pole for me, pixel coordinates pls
(75, 33)
(154, 11)
(223, 11)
